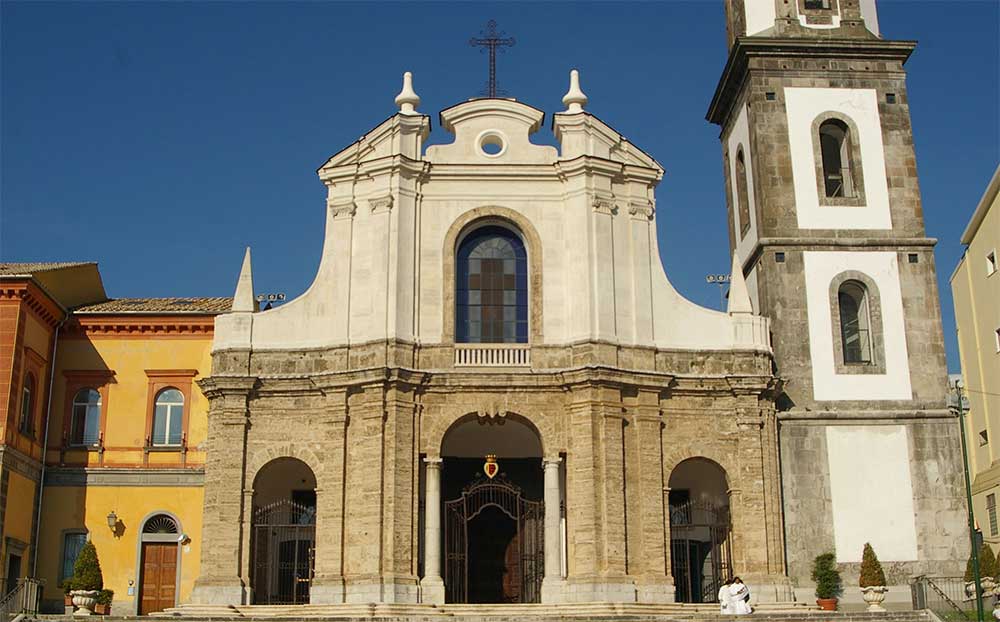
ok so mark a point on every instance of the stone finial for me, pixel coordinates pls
(243, 299)
(739, 296)
(574, 99)
(407, 100)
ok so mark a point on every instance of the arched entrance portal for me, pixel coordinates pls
(283, 532)
(699, 530)
(493, 527)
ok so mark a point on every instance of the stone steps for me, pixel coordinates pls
(576, 612)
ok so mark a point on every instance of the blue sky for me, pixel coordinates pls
(159, 139)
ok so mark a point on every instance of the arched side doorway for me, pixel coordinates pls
(283, 533)
(159, 563)
(493, 527)
(700, 530)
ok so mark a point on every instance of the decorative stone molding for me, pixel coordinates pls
(641, 209)
(380, 204)
(604, 203)
(342, 208)
(110, 476)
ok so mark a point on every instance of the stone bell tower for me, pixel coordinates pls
(826, 219)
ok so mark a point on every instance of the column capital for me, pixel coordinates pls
(551, 462)
(433, 462)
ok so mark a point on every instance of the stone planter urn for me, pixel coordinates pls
(989, 586)
(84, 601)
(874, 595)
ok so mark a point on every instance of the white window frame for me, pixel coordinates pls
(82, 442)
(172, 409)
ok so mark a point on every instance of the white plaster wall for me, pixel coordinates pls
(835, 21)
(870, 14)
(382, 268)
(752, 289)
(820, 269)
(740, 135)
(871, 492)
(802, 106)
(760, 15)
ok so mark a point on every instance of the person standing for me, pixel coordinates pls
(739, 597)
(725, 596)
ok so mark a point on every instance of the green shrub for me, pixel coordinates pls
(87, 570)
(824, 573)
(987, 564)
(105, 597)
(871, 569)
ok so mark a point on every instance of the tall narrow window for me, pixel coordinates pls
(491, 289)
(743, 192)
(28, 405)
(168, 417)
(835, 148)
(991, 510)
(72, 543)
(86, 428)
(855, 325)
(817, 4)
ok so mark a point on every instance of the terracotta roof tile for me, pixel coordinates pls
(168, 306)
(9, 268)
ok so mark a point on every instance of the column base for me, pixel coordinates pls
(381, 590)
(654, 590)
(552, 590)
(432, 591)
(599, 590)
(326, 591)
(220, 591)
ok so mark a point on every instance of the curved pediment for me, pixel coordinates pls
(491, 131)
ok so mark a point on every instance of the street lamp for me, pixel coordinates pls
(720, 280)
(957, 407)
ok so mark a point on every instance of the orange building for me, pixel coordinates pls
(123, 425)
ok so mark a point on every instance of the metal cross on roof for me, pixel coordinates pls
(490, 40)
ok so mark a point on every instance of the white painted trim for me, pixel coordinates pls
(740, 136)
(760, 15)
(871, 492)
(803, 106)
(820, 268)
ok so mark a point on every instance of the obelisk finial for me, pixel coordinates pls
(408, 100)
(574, 99)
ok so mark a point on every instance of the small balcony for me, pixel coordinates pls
(492, 355)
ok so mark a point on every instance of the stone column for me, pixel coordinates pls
(432, 585)
(328, 578)
(553, 581)
(223, 572)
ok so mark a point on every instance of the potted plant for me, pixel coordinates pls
(872, 579)
(67, 597)
(87, 581)
(828, 582)
(103, 606)
(987, 573)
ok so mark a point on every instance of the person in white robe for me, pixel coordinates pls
(739, 603)
(725, 596)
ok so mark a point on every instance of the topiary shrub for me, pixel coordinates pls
(987, 564)
(105, 597)
(87, 570)
(824, 573)
(871, 570)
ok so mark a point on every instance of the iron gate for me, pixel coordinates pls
(283, 542)
(526, 549)
(700, 553)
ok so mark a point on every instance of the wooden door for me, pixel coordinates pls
(158, 584)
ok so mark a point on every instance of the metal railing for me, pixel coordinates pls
(22, 599)
(947, 597)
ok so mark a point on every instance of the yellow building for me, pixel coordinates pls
(975, 286)
(124, 428)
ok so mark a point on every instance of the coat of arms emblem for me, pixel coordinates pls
(491, 467)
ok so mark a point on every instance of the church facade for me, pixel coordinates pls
(492, 393)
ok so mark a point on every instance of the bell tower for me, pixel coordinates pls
(825, 217)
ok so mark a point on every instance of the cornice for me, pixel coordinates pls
(735, 72)
(405, 166)
(27, 292)
(140, 326)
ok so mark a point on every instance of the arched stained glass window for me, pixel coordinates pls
(86, 428)
(491, 289)
(855, 325)
(168, 417)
